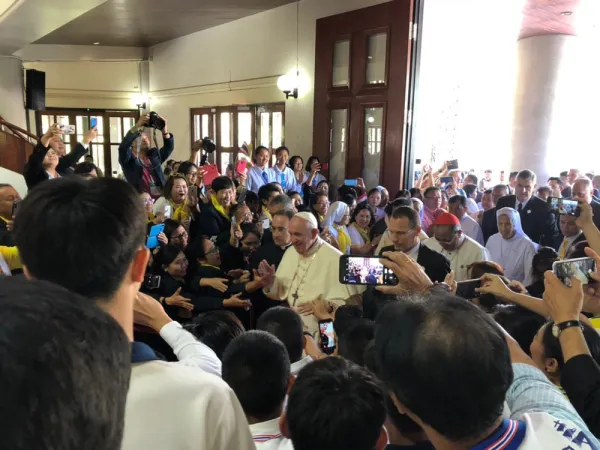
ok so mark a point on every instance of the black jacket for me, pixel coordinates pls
(270, 253)
(34, 173)
(537, 220)
(596, 210)
(210, 223)
(560, 239)
(169, 285)
(580, 378)
(435, 264)
(132, 166)
(6, 238)
(489, 224)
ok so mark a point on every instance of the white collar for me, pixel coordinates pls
(518, 202)
(299, 365)
(571, 239)
(270, 428)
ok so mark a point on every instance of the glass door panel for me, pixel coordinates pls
(373, 130)
(337, 146)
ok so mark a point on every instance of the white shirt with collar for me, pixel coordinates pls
(255, 178)
(524, 204)
(267, 436)
(296, 367)
(285, 177)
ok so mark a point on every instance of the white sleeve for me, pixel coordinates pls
(159, 205)
(189, 351)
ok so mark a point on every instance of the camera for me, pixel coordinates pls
(155, 121)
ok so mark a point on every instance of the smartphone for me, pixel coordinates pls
(452, 164)
(365, 271)
(242, 197)
(242, 167)
(67, 129)
(580, 268)
(417, 161)
(168, 211)
(325, 166)
(446, 180)
(466, 289)
(351, 183)
(152, 241)
(193, 192)
(151, 282)
(15, 207)
(563, 206)
(327, 336)
(210, 173)
(93, 122)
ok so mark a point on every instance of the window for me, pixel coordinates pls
(232, 126)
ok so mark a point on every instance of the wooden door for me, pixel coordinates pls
(363, 60)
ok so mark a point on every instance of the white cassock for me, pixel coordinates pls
(472, 229)
(461, 258)
(302, 279)
(516, 254)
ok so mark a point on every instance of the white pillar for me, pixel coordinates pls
(12, 99)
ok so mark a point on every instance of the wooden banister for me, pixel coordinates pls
(16, 145)
(18, 130)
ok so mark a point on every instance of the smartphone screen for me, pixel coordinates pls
(453, 164)
(466, 289)
(563, 206)
(351, 183)
(325, 166)
(581, 268)
(366, 271)
(93, 122)
(446, 180)
(151, 282)
(327, 336)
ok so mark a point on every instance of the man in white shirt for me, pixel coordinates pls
(281, 172)
(308, 271)
(94, 246)
(459, 249)
(457, 205)
(257, 367)
(572, 234)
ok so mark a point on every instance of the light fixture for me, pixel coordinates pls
(96, 43)
(140, 100)
(290, 83)
(566, 13)
(370, 119)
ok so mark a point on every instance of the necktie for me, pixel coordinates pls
(563, 249)
(264, 177)
(520, 208)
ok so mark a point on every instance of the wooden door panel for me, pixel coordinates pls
(393, 19)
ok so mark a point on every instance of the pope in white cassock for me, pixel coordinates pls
(308, 271)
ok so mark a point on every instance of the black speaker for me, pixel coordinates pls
(35, 90)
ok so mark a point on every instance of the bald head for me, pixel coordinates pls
(582, 190)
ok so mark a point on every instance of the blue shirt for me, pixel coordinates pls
(286, 178)
(256, 179)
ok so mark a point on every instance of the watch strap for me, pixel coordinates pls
(568, 324)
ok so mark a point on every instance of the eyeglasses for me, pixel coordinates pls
(148, 201)
(212, 251)
(180, 236)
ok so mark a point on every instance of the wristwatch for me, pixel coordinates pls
(558, 328)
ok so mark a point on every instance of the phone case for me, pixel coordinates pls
(152, 241)
(242, 166)
(210, 173)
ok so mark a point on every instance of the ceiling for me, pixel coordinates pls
(542, 17)
(143, 23)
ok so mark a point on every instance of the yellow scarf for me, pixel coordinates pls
(343, 239)
(364, 232)
(220, 208)
(266, 213)
(180, 214)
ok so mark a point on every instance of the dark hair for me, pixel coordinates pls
(469, 189)
(216, 329)
(520, 323)
(265, 191)
(377, 229)
(480, 268)
(286, 325)
(373, 191)
(487, 191)
(557, 179)
(346, 190)
(513, 174)
(252, 200)
(165, 257)
(364, 206)
(281, 149)
(221, 183)
(474, 178)
(429, 190)
(403, 193)
(292, 193)
(195, 251)
(345, 317)
(310, 161)
(348, 199)
(65, 368)
(405, 212)
(577, 250)
(248, 229)
(336, 405)
(390, 207)
(81, 234)
(257, 367)
(259, 149)
(544, 189)
(84, 168)
(354, 341)
(425, 346)
(415, 192)
(285, 212)
(564, 174)
(186, 166)
(458, 199)
(552, 348)
(542, 261)
(293, 159)
(170, 226)
(170, 183)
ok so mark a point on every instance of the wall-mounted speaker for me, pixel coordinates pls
(35, 90)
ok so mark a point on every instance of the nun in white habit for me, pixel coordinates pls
(336, 221)
(511, 248)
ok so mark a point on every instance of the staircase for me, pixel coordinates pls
(16, 145)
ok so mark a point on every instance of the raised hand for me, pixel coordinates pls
(177, 300)
(411, 276)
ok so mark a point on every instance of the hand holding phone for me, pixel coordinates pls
(563, 206)
(242, 167)
(152, 241)
(327, 336)
(468, 289)
(365, 271)
(581, 268)
(351, 183)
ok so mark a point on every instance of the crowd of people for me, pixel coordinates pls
(213, 336)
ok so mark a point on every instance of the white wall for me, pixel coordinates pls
(12, 98)
(556, 105)
(195, 70)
